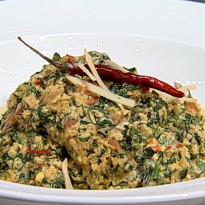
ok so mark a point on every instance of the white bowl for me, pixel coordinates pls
(162, 38)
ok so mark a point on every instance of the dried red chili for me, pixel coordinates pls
(42, 151)
(110, 74)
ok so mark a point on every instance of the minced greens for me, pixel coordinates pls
(49, 119)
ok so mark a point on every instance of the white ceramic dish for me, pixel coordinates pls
(162, 38)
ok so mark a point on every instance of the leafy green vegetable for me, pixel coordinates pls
(149, 152)
(201, 165)
(59, 126)
(56, 57)
(183, 173)
(156, 171)
(105, 122)
(35, 91)
(197, 138)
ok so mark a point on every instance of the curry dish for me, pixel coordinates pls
(63, 131)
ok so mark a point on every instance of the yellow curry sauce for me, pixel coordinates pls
(49, 119)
